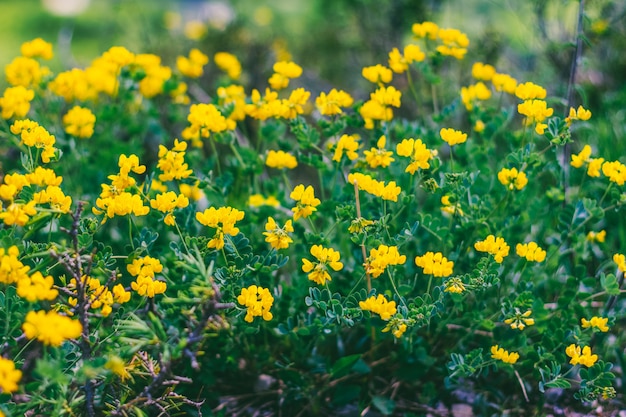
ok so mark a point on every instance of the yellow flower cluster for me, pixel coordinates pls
(37, 48)
(35, 136)
(257, 200)
(145, 270)
(581, 357)
(377, 74)
(166, 203)
(50, 328)
(25, 72)
(36, 287)
(494, 246)
(520, 320)
(379, 156)
(99, 296)
(192, 66)
(435, 264)
(277, 236)
(379, 305)
(223, 221)
(484, 72)
(306, 202)
(474, 92)
(504, 355)
(258, 301)
(378, 106)
(233, 97)
(531, 251)
(270, 105)
(533, 107)
(448, 207)
(9, 376)
(114, 199)
(382, 257)
(332, 104)
(620, 260)
(399, 62)
(418, 152)
(280, 160)
(600, 323)
(283, 72)
(376, 188)
(596, 236)
(318, 271)
(229, 63)
(156, 74)
(205, 119)
(454, 42)
(584, 157)
(577, 114)
(172, 162)
(512, 178)
(454, 285)
(348, 145)
(359, 224)
(615, 171)
(79, 122)
(11, 269)
(452, 137)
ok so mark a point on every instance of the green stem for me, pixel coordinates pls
(395, 289)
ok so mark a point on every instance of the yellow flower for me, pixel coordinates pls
(504, 355)
(417, 151)
(379, 157)
(615, 171)
(9, 376)
(536, 111)
(470, 94)
(79, 122)
(577, 114)
(454, 285)
(35, 136)
(428, 30)
(504, 82)
(257, 200)
(494, 246)
(283, 71)
(16, 102)
(332, 103)
(359, 224)
(223, 221)
(318, 271)
(37, 48)
(596, 236)
(520, 320)
(379, 305)
(172, 162)
(377, 74)
(482, 71)
(18, 214)
(11, 269)
(449, 208)
(530, 91)
(145, 270)
(347, 144)
(50, 327)
(366, 183)
(306, 202)
(167, 202)
(36, 287)
(280, 160)
(620, 260)
(25, 72)
(229, 63)
(512, 179)
(531, 251)
(584, 357)
(382, 257)
(120, 295)
(258, 301)
(452, 137)
(192, 66)
(205, 119)
(277, 236)
(435, 264)
(598, 322)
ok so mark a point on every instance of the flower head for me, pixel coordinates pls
(600, 323)
(258, 301)
(278, 236)
(494, 246)
(504, 355)
(326, 258)
(306, 202)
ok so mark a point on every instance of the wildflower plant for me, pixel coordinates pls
(154, 251)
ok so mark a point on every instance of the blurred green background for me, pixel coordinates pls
(334, 39)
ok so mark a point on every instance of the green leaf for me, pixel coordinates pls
(384, 405)
(344, 365)
(610, 284)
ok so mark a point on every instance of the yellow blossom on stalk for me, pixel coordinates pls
(455, 43)
(79, 122)
(26, 72)
(348, 145)
(283, 72)
(378, 106)
(257, 200)
(470, 94)
(332, 103)
(233, 97)
(99, 295)
(382, 257)
(280, 160)
(42, 176)
(379, 305)
(427, 29)
(379, 157)
(399, 62)
(50, 328)
(536, 111)
(417, 151)
(452, 137)
(156, 74)
(120, 295)
(435, 264)
(620, 260)
(596, 236)
(11, 268)
(294, 105)
(192, 66)
(306, 202)
(494, 246)
(615, 171)
(54, 196)
(578, 160)
(73, 84)
(504, 82)
(205, 119)
(454, 285)
(578, 357)
(397, 327)
(37, 48)
(359, 224)
(366, 183)
(531, 251)
(223, 221)
(145, 269)
(18, 213)
(482, 71)
(35, 136)
(520, 320)
(449, 208)
(167, 203)
(228, 63)
(116, 365)
(512, 179)
(192, 192)
(36, 287)
(195, 30)
(388, 96)
(326, 258)
(504, 355)
(600, 323)
(577, 114)
(258, 301)
(377, 74)
(277, 236)
(172, 162)
(530, 91)
(15, 102)
(479, 126)
(120, 204)
(9, 376)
